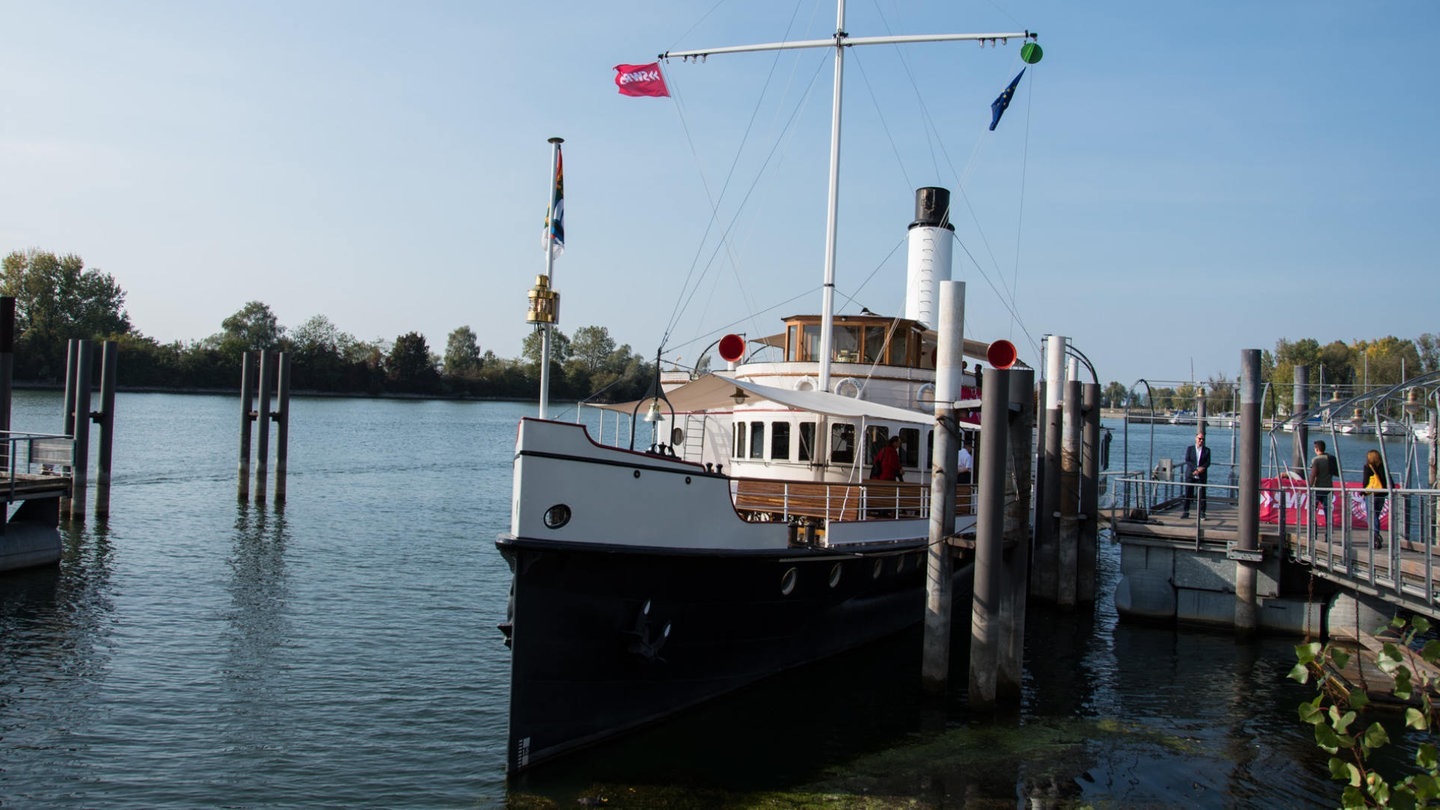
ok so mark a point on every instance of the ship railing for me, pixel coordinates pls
(31, 457)
(768, 500)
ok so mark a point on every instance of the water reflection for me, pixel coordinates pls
(253, 670)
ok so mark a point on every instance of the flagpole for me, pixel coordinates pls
(550, 273)
(840, 41)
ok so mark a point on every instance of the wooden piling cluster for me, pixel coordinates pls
(1067, 500)
(271, 366)
(79, 395)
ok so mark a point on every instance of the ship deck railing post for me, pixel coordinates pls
(247, 394)
(80, 417)
(105, 418)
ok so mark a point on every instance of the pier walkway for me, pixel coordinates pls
(1403, 573)
(34, 477)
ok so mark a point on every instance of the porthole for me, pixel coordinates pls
(637, 473)
(787, 581)
(835, 575)
(557, 516)
(677, 436)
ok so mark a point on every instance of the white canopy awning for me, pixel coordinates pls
(713, 392)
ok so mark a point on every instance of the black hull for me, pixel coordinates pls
(605, 640)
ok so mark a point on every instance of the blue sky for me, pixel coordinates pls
(1172, 184)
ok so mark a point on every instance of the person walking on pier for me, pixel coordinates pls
(1197, 472)
(1323, 470)
(1377, 482)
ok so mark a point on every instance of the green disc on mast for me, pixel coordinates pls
(1030, 52)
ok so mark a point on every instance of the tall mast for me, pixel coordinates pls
(840, 41)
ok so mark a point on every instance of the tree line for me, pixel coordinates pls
(1335, 369)
(58, 299)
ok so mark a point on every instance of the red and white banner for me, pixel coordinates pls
(640, 80)
(1292, 495)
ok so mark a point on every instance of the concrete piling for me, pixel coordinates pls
(79, 418)
(109, 367)
(1247, 543)
(1018, 490)
(985, 613)
(935, 663)
(1089, 493)
(262, 421)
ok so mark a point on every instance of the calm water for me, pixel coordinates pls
(343, 652)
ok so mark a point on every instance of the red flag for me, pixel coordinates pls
(640, 80)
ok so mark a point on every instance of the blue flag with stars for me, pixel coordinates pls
(997, 108)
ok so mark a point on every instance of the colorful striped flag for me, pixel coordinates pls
(555, 217)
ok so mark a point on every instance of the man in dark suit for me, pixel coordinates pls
(1197, 471)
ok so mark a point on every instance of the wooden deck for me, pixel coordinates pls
(764, 499)
(23, 486)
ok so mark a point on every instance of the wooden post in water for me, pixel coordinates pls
(1011, 665)
(7, 366)
(1300, 439)
(985, 610)
(282, 427)
(1247, 543)
(1069, 535)
(1089, 491)
(262, 422)
(247, 393)
(1046, 573)
(949, 353)
(109, 366)
(67, 428)
(79, 474)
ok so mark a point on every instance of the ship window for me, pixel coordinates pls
(930, 450)
(792, 343)
(842, 443)
(787, 581)
(757, 440)
(810, 345)
(910, 447)
(875, 438)
(739, 448)
(780, 441)
(807, 441)
(900, 347)
(847, 344)
(875, 344)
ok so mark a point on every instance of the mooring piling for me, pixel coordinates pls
(262, 428)
(985, 612)
(7, 362)
(1085, 589)
(1068, 539)
(1300, 439)
(1010, 669)
(949, 353)
(1247, 541)
(1046, 574)
(80, 421)
(247, 396)
(270, 366)
(109, 367)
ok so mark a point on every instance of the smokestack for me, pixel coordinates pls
(931, 240)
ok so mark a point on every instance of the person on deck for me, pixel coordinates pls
(887, 460)
(1377, 482)
(1322, 477)
(964, 468)
(1197, 472)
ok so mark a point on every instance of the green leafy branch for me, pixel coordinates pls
(1335, 709)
